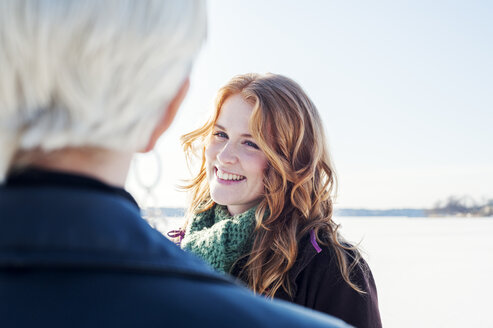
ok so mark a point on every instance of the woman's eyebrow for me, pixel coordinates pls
(220, 127)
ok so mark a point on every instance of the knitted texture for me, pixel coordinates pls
(219, 238)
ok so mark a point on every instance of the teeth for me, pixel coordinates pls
(226, 176)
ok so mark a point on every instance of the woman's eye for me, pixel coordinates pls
(220, 135)
(251, 144)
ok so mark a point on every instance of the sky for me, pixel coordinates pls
(404, 89)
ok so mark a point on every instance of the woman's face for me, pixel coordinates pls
(234, 164)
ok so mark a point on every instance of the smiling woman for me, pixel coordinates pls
(235, 164)
(261, 206)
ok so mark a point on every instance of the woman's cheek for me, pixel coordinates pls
(210, 151)
(259, 160)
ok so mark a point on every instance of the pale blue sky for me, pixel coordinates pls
(404, 89)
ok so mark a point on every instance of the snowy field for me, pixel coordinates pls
(430, 272)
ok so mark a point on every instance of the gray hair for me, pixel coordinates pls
(91, 73)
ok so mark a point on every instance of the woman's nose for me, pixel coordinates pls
(227, 154)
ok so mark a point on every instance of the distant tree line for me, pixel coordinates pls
(462, 206)
(407, 212)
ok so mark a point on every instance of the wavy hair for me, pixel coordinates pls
(299, 182)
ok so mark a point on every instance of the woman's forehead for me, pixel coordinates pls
(235, 114)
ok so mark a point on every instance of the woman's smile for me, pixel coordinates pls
(228, 178)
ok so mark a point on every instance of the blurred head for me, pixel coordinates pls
(283, 144)
(91, 73)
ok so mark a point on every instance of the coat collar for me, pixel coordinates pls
(34, 176)
(60, 227)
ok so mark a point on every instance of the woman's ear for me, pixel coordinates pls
(168, 116)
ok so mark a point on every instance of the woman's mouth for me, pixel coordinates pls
(226, 177)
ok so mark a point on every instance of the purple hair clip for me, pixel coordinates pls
(313, 239)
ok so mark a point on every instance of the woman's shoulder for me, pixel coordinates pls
(325, 262)
(320, 285)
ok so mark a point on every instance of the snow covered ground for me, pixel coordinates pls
(430, 272)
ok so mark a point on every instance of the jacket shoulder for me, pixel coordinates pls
(321, 286)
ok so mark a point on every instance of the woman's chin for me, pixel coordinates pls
(220, 200)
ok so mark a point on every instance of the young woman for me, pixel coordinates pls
(261, 203)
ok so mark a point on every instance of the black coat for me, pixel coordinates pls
(318, 284)
(76, 253)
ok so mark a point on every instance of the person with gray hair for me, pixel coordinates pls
(83, 86)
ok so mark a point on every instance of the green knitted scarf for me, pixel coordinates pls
(219, 238)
